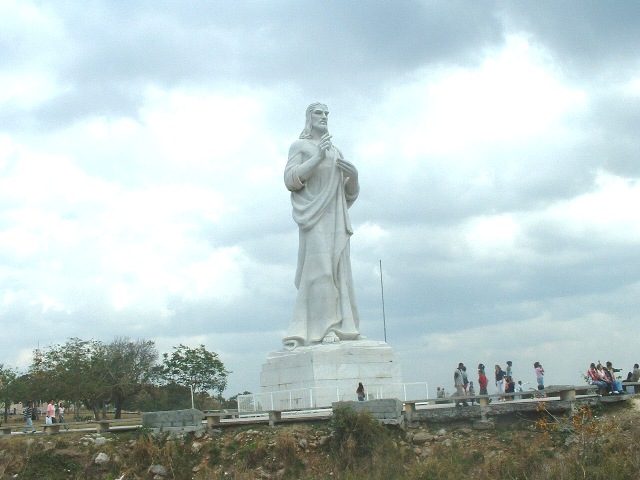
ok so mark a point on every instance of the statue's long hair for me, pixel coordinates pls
(306, 133)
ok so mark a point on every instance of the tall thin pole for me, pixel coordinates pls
(384, 319)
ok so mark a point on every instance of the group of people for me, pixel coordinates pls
(504, 381)
(604, 377)
(30, 413)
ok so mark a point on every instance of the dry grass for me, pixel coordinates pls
(595, 445)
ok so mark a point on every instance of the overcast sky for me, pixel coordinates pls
(142, 148)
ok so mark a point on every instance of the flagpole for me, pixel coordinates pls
(384, 319)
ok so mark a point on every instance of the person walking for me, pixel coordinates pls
(28, 417)
(51, 413)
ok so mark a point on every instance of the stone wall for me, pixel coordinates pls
(387, 410)
(174, 420)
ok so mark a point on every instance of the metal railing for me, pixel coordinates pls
(323, 397)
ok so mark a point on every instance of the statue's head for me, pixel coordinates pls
(306, 133)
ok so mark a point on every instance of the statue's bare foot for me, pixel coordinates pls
(330, 337)
(291, 344)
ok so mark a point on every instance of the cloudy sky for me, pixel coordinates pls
(142, 147)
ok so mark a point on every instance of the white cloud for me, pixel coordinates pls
(150, 194)
(514, 95)
(32, 36)
(492, 236)
(609, 212)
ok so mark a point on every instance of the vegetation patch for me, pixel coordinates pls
(353, 446)
(51, 465)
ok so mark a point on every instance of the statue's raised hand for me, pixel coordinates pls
(324, 145)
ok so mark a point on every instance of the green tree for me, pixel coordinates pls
(195, 367)
(7, 388)
(160, 397)
(130, 369)
(75, 371)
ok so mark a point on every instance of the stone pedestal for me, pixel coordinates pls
(319, 375)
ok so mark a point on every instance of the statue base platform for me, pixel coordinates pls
(316, 376)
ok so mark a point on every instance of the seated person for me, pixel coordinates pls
(606, 376)
(636, 373)
(594, 378)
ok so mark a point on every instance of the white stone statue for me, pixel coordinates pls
(323, 186)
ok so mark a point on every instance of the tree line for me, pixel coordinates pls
(124, 374)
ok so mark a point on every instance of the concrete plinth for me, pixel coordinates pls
(326, 373)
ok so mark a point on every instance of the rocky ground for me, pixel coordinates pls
(302, 450)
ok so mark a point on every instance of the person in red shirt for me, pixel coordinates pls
(482, 380)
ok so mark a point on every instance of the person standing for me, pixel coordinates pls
(634, 376)
(472, 393)
(51, 413)
(519, 389)
(483, 381)
(465, 379)
(61, 414)
(613, 371)
(499, 373)
(458, 383)
(360, 392)
(28, 417)
(539, 378)
(509, 383)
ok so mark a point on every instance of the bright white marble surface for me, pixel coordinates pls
(333, 367)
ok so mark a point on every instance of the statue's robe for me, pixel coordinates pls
(326, 301)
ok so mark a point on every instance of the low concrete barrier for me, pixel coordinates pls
(174, 420)
(386, 410)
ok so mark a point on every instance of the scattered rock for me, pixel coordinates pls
(441, 432)
(158, 470)
(196, 447)
(101, 459)
(484, 424)
(422, 437)
(261, 473)
(100, 441)
(303, 443)
(570, 441)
